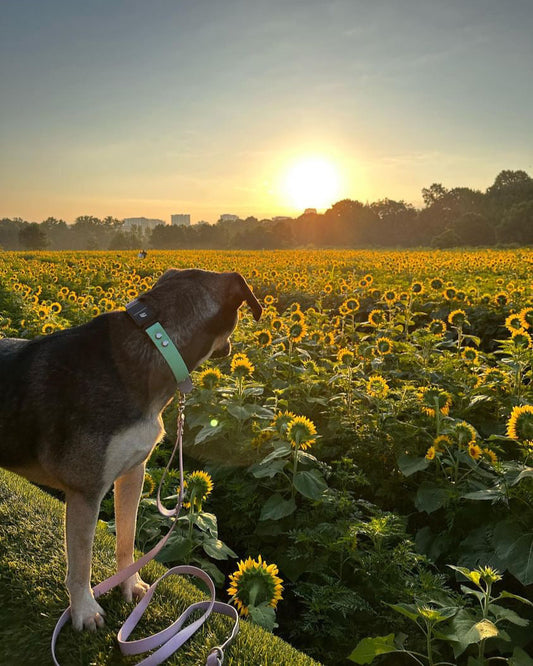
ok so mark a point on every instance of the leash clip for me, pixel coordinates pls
(215, 657)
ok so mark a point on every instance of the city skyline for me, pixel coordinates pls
(261, 109)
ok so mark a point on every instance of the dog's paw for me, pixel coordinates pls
(134, 588)
(88, 615)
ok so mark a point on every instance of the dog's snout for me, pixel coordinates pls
(223, 351)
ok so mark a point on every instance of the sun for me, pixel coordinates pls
(311, 182)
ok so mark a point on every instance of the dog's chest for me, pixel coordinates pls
(131, 446)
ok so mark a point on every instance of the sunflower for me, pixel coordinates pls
(521, 339)
(345, 356)
(383, 346)
(263, 337)
(48, 328)
(526, 318)
(55, 307)
(255, 582)
(417, 288)
(297, 332)
(277, 324)
(431, 396)
(377, 387)
(148, 485)
(471, 355)
(210, 378)
(282, 420)
(437, 327)
(199, 485)
(464, 434)
(501, 298)
(441, 442)
(301, 432)
(351, 305)
(489, 455)
(376, 318)
(436, 283)
(269, 299)
(241, 366)
(449, 293)
(431, 453)
(390, 296)
(457, 318)
(513, 322)
(474, 451)
(520, 424)
(316, 336)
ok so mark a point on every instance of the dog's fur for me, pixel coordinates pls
(81, 409)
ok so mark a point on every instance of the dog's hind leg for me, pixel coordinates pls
(128, 490)
(82, 514)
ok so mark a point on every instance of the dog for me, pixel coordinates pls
(80, 410)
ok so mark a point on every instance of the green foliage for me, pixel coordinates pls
(462, 626)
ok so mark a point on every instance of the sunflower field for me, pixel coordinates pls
(360, 469)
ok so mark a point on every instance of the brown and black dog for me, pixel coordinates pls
(80, 409)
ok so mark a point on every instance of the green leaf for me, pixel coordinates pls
(276, 507)
(207, 522)
(409, 610)
(501, 613)
(515, 550)
(241, 412)
(369, 648)
(176, 550)
(466, 630)
(528, 471)
(262, 471)
(474, 576)
(520, 658)
(207, 432)
(430, 498)
(310, 484)
(509, 595)
(491, 494)
(279, 452)
(217, 549)
(306, 458)
(409, 464)
(263, 615)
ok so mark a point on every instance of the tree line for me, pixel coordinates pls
(460, 216)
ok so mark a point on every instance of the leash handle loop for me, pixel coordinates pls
(175, 635)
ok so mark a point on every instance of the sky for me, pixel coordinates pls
(151, 107)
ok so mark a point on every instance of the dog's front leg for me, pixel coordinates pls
(128, 489)
(82, 514)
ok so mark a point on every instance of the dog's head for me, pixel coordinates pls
(200, 310)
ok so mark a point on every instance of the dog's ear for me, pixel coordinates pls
(240, 292)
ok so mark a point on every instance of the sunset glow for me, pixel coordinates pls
(311, 182)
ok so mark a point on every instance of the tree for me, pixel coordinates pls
(433, 194)
(517, 224)
(473, 229)
(32, 237)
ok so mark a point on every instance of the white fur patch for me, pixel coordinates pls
(131, 446)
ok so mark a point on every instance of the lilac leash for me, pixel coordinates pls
(167, 641)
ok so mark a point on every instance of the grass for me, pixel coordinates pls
(33, 595)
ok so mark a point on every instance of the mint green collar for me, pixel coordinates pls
(170, 353)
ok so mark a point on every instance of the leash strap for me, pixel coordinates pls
(174, 636)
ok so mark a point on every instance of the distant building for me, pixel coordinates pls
(310, 211)
(228, 217)
(142, 222)
(281, 218)
(180, 219)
